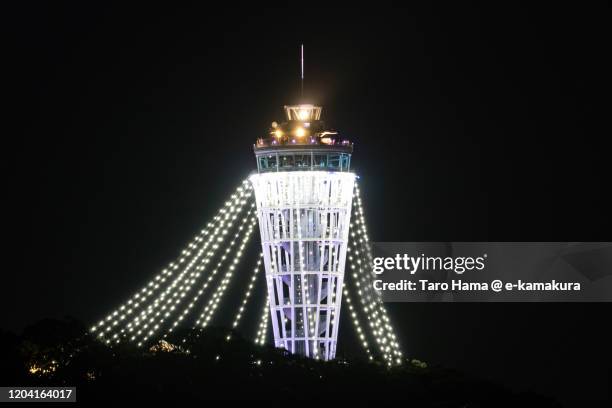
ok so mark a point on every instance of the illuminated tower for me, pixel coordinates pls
(304, 189)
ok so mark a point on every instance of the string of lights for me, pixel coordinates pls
(356, 323)
(366, 248)
(224, 257)
(213, 303)
(226, 213)
(247, 295)
(141, 296)
(369, 305)
(156, 283)
(374, 304)
(204, 286)
(374, 325)
(260, 338)
(168, 301)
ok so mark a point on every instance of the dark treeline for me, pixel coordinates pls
(62, 353)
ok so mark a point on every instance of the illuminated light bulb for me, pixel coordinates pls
(300, 131)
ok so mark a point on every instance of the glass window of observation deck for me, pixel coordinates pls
(286, 161)
(267, 163)
(333, 161)
(319, 161)
(345, 162)
(302, 160)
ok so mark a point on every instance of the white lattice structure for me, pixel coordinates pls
(304, 219)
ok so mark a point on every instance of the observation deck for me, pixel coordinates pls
(302, 143)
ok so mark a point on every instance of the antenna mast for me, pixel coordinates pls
(302, 70)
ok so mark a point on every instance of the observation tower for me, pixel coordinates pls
(303, 191)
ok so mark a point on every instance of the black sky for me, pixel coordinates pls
(126, 127)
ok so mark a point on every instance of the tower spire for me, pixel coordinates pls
(302, 71)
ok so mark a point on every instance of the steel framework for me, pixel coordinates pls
(304, 219)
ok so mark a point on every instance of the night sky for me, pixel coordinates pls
(126, 128)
